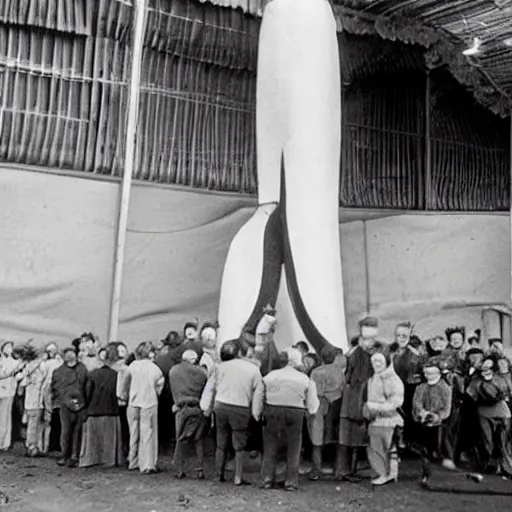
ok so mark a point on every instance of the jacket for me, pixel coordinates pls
(385, 394)
(69, 384)
(101, 393)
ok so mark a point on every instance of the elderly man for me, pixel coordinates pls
(283, 398)
(187, 381)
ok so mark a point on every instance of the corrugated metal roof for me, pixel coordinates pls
(445, 27)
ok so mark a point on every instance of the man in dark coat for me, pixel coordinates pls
(353, 430)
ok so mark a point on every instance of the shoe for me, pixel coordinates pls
(61, 462)
(152, 471)
(220, 478)
(449, 464)
(266, 484)
(72, 463)
(290, 487)
(382, 480)
(352, 479)
(200, 474)
(314, 475)
(240, 482)
(180, 475)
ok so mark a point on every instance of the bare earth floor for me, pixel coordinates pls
(39, 485)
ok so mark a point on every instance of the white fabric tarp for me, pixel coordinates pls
(57, 238)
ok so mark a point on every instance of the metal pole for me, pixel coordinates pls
(428, 145)
(139, 7)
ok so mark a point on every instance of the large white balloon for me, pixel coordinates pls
(298, 131)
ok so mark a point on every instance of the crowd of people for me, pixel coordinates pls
(445, 399)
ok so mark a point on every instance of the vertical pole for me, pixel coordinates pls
(510, 201)
(428, 144)
(139, 7)
(366, 268)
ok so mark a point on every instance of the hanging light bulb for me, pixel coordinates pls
(508, 42)
(474, 49)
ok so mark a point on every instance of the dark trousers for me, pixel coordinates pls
(71, 432)
(232, 426)
(166, 428)
(430, 444)
(55, 431)
(410, 431)
(125, 430)
(450, 440)
(282, 425)
(347, 460)
(495, 442)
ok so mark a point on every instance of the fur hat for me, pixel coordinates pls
(452, 330)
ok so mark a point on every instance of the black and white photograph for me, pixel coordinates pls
(255, 255)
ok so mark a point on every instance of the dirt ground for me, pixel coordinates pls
(39, 485)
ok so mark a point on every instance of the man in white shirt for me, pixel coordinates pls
(145, 382)
(284, 397)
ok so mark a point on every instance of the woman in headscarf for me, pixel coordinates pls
(8, 368)
(385, 394)
(284, 397)
(101, 435)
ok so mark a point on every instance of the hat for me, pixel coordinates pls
(433, 362)
(190, 356)
(492, 341)
(369, 321)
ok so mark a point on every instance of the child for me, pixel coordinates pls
(432, 403)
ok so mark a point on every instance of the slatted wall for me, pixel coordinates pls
(64, 66)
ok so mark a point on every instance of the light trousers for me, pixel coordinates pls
(143, 424)
(34, 429)
(6, 422)
(379, 448)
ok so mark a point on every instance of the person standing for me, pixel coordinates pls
(229, 392)
(51, 420)
(408, 362)
(385, 394)
(489, 393)
(145, 382)
(8, 368)
(329, 379)
(353, 433)
(102, 440)
(431, 406)
(68, 395)
(282, 399)
(187, 381)
(121, 367)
